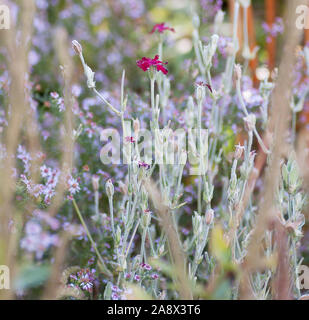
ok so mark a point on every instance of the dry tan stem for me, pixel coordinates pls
(17, 63)
(279, 125)
(54, 282)
(67, 142)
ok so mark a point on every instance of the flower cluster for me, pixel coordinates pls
(84, 279)
(37, 240)
(161, 27)
(146, 63)
(211, 7)
(273, 30)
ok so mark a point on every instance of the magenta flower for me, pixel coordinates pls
(146, 63)
(142, 164)
(161, 27)
(147, 267)
(137, 277)
(204, 84)
(130, 139)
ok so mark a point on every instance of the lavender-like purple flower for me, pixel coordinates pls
(273, 30)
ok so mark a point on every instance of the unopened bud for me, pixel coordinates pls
(200, 92)
(146, 217)
(95, 182)
(213, 44)
(123, 187)
(238, 72)
(209, 216)
(219, 17)
(230, 48)
(238, 151)
(77, 47)
(250, 121)
(109, 187)
(196, 21)
(274, 74)
(136, 126)
(161, 250)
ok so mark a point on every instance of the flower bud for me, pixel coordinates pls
(161, 250)
(246, 53)
(146, 217)
(219, 17)
(136, 126)
(123, 187)
(197, 224)
(95, 182)
(213, 44)
(109, 187)
(144, 197)
(196, 21)
(274, 74)
(209, 216)
(200, 92)
(238, 72)
(250, 121)
(208, 193)
(77, 47)
(290, 174)
(238, 151)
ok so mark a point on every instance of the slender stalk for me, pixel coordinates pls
(96, 203)
(231, 59)
(111, 210)
(118, 113)
(143, 251)
(132, 237)
(293, 127)
(102, 264)
(199, 123)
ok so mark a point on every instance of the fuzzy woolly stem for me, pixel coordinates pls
(107, 103)
(111, 210)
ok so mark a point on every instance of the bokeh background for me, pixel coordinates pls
(114, 35)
